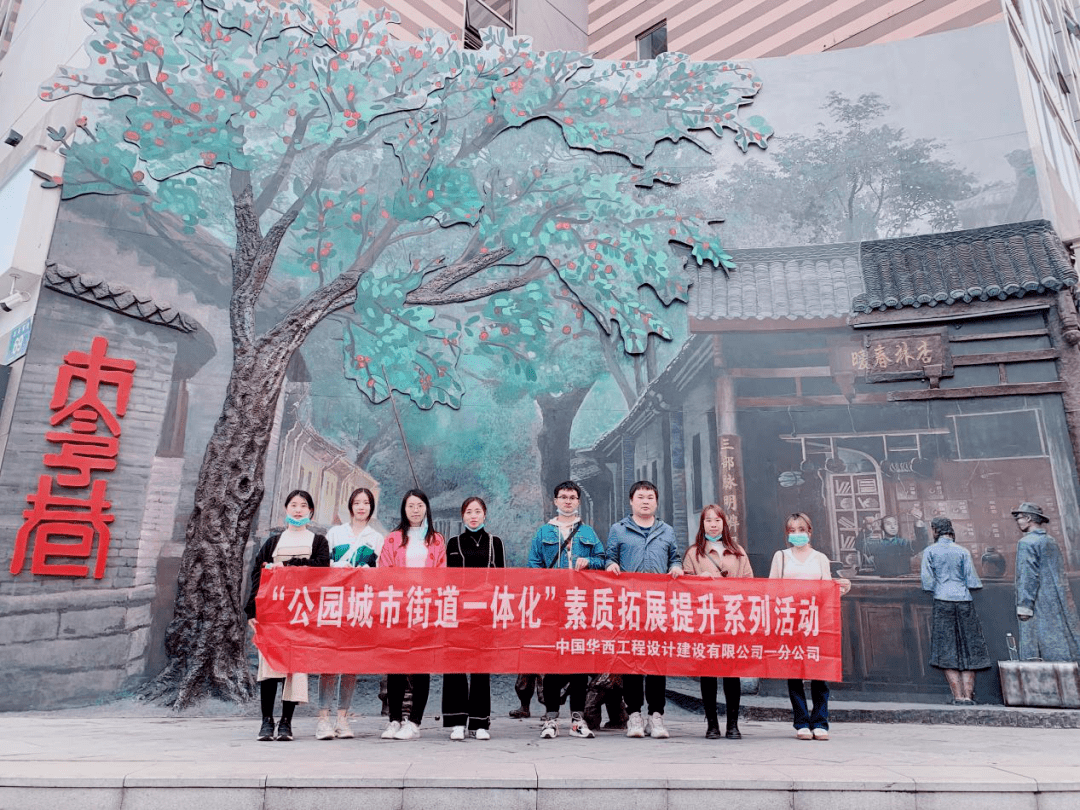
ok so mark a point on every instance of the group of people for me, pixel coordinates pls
(641, 542)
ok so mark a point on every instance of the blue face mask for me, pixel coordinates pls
(477, 529)
(798, 538)
(297, 522)
(715, 539)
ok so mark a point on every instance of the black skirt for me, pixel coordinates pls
(956, 637)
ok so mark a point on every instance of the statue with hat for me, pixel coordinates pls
(1044, 606)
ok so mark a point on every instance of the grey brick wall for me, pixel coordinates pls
(68, 640)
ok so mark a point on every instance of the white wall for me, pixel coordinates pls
(554, 24)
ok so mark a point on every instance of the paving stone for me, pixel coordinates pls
(71, 798)
(469, 798)
(192, 798)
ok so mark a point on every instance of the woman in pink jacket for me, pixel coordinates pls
(413, 544)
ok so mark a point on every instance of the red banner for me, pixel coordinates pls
(372, 620)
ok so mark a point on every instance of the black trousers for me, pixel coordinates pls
(641, 689)
(466, 700)
(395, 695)
(267, 694)
(732, 697)
(553, 684)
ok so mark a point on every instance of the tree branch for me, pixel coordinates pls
(607, 345)
(422, 295)
(451, 274)
(298, 322)
(273, 185)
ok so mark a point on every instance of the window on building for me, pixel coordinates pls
(481, 14)
(653, 42)
(9, 10)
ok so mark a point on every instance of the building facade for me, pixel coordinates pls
(953, 132)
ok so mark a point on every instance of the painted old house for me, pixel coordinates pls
(907, 378)
(858, 364)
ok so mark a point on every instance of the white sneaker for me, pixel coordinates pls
(393, 728)
(821, 734)
(656, 727)
(408, 731)
(804, 734)
(323, 730)
(578, 726)
(634, 726)
(343, 731)
(457, 733)
(551, 729)
(482, 734)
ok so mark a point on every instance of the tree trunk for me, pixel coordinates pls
(651, 365)
(553, 441)
(205, 641)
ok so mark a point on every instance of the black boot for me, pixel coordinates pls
(732, 698)
(712, 730)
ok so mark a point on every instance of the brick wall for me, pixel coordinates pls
(68, 640)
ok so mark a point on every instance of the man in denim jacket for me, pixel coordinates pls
(642, 543)
(566, 542)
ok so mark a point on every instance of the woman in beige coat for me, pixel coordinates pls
(716, 554)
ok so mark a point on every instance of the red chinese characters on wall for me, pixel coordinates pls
(65, 523)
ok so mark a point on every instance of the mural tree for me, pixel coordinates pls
(855, 178)
(397, 178)
(542, 346)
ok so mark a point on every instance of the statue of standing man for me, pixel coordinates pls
(1048, 622)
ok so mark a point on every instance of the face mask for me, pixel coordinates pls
(298, 522)
(477, 529)
(567, 511)
(715, 539)
(798, 538)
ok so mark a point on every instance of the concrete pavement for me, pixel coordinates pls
(128, 757)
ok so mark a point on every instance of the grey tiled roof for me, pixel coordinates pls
(1002, 261)
(115, 297)
(811, 281)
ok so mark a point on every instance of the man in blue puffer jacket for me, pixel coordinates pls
(642, 543)
(566, 542)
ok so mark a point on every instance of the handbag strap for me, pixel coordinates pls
(565, 544)
(719, 568)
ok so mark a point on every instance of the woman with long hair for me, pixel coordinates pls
(352, 545)
(295, 545)
(413, 544)
(467, 698)
(800, 561)
(715, 553)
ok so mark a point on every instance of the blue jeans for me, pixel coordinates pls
(819, 694)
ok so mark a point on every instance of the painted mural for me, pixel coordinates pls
(435, 203)
(401, 263)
